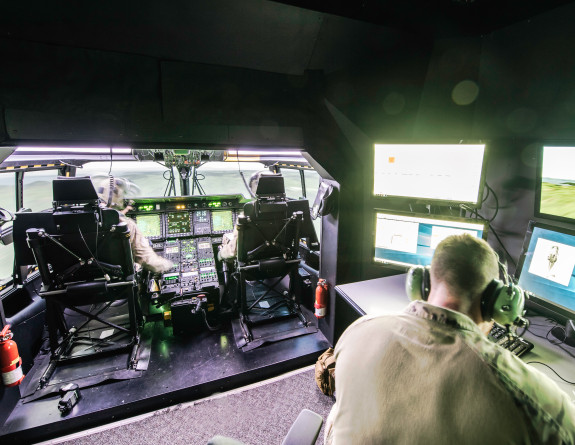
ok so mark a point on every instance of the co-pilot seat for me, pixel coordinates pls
(85, 262)
(267, 263)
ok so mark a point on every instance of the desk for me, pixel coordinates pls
(378, 296)
(387, 295)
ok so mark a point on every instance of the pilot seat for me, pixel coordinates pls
(267, 266)
(85, 262)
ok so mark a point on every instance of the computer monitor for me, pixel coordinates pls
(403, 240)
(448, 174)
(546, 270)
(150, 225)
(555, 186)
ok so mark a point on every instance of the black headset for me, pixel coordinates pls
(501, 301)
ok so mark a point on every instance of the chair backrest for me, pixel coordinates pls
(268, 230)
(81, 246)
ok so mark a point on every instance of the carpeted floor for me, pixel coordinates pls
(257, 414)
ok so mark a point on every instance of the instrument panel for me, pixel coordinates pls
(186, 216)
(187, 231)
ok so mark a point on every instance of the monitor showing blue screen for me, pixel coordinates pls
(546, 267)
(403, 240)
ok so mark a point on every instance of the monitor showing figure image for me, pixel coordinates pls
(445, 173)
(403, 240)
(555, 193)
(546, 268)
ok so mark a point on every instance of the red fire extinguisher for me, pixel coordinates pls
(320, 298)
(10, 361)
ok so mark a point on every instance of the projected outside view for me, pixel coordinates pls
(410, 240)
(149, 225)
(558, 182)
(222, 221)
(547, 271)
(445, 172)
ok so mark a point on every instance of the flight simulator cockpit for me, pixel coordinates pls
(107, 312)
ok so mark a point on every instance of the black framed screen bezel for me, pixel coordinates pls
(539, 182)
(535, 302)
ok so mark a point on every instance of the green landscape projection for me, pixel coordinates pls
(558, 199)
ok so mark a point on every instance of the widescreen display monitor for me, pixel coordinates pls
(546, 268)
(403, 240)
(555, 194)
(446, 174)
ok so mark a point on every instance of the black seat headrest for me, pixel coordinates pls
(270, 186)
(73, 190)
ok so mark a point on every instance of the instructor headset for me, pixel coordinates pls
(501, 301)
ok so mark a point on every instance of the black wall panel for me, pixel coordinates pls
(382, 96)
(68, 80)
(527, 79)
(211, 94)
(450, 93)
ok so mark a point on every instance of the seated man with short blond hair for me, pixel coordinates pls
(431, 376)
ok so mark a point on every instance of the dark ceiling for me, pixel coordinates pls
(439, 17)
(281, 36)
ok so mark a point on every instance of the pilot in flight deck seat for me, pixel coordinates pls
(85, 261)
(267, 265)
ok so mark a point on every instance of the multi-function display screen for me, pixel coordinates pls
(179, 222)
(202, 216)
(150, 225)
(222, 221)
